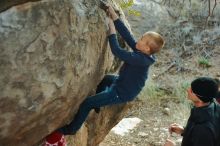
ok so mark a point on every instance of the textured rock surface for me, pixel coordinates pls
(53, 53)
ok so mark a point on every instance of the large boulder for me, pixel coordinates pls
(53, 53)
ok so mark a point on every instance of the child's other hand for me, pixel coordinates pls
(176, 128)
(111, 13)
(169, 143)
(110, 10)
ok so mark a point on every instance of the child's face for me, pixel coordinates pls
(146, 44)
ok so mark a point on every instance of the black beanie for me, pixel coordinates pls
(205, 88)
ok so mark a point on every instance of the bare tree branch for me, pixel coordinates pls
(214, 7)
(209, 14)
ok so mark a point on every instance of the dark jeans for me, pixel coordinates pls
(106, 95)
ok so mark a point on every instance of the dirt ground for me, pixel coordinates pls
(157, 115)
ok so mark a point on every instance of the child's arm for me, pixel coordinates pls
(111, 26)
(129, 57)
(121, 28)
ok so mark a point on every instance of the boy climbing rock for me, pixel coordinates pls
(132, 75)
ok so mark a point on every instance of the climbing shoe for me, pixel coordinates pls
(55, 139)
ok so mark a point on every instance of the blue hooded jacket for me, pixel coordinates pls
(134, 72)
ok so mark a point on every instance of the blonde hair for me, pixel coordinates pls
(157, 38)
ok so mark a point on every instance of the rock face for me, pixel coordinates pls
(53, 53)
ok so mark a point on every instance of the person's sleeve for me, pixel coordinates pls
(125, 33)
(202, 136)
(126, 56)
